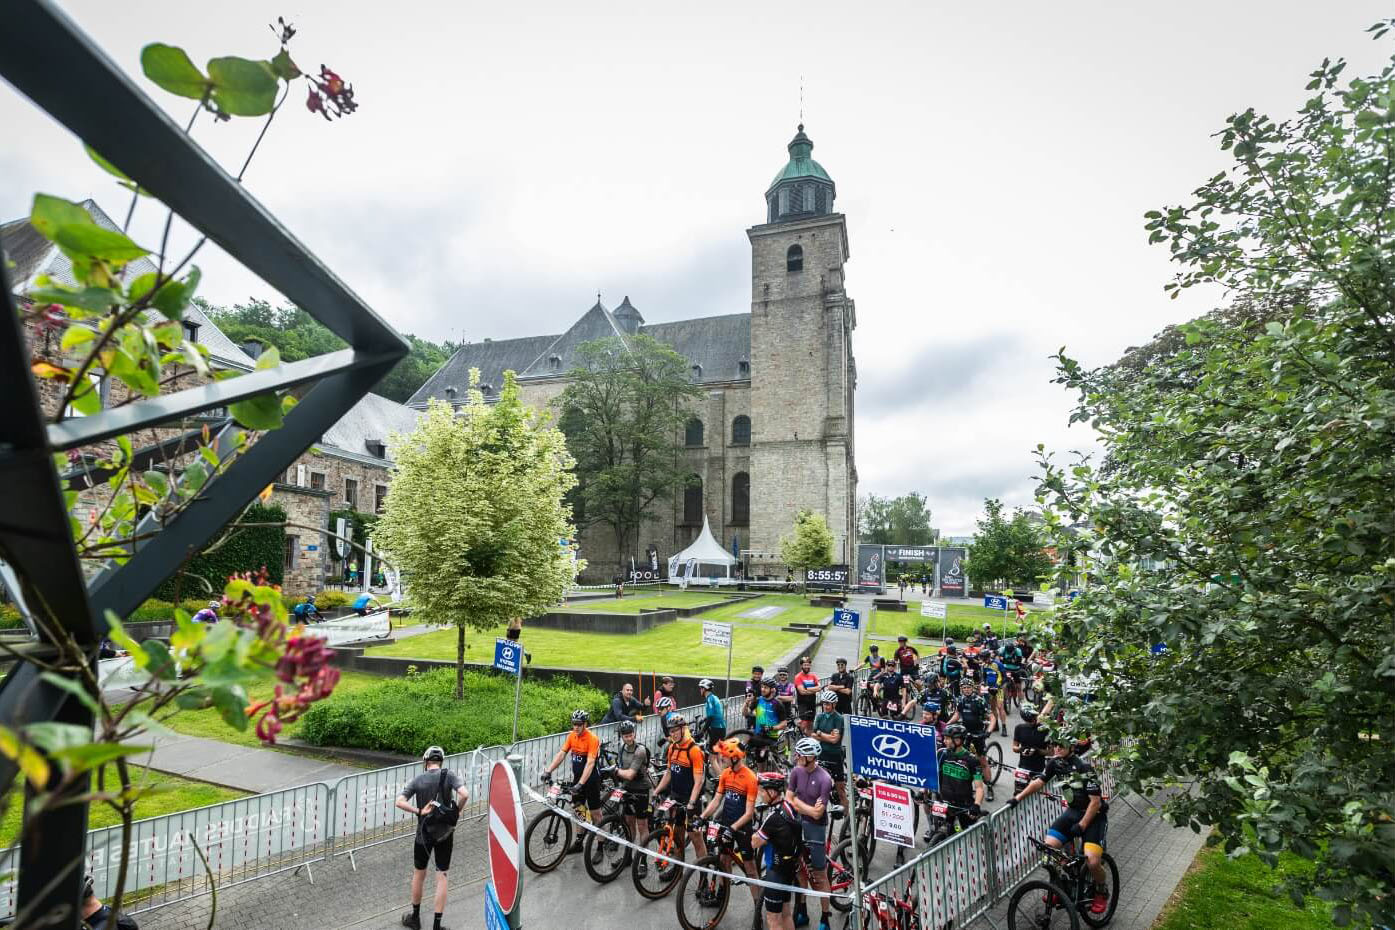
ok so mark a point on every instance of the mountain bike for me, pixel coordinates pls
(891, 910)
(603, 857)
(1063, 900)
(775, 755)
(944, 822)
(654, 878)
(703, 898)
(549, 835)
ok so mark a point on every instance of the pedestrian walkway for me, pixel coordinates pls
(840, 642)
(248, 768)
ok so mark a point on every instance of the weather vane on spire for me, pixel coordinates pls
(801, 101)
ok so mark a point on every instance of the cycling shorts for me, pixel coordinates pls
(782, 873)
(590, 792)
(743, 842)
(637, 804)
(815, 838)
(424, 850)
(978, 742)
(834, 768)
(1095, 833)
(715, 735)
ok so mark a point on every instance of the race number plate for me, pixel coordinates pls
(555, 791)
(618, 794)
(665, 804)
(939, 809)
(1021, 775)
(712, 830)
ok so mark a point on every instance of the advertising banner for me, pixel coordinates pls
(894, 751)
(846, 619)
(952, 573)
(508, 656)
(352, 629)
(931, 609)
(869, 566)
(912, 553)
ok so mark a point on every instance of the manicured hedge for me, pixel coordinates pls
(247, 551)
(408, 714)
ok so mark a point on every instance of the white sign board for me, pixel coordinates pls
(893, 814)
(716, 634)
(376, 625)
(931, 609)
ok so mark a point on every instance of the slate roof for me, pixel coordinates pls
(718, 343)
(491, 357)
(560, 356)
(34, 255)
(373, 418)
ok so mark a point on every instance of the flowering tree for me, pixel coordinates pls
(474, 516)
(809, 546)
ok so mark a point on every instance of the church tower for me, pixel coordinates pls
(802, 370)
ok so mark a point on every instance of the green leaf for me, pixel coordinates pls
(162, 664)
(243, 87)
(174, 296)
(231, 701)
(157, 482)
(262, 412)
(49, 214)
(111, 169)
(171, 69)
(92, 755)
(270, 358)
(87, 399)
(34, 766)
(118, 635)
(92, 241)
(94, 299)
(283, 67)
(75, 336)
(53, 737)
(73, 687)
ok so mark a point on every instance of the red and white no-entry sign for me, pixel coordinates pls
(505, 835)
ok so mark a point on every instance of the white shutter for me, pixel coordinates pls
(300, 476)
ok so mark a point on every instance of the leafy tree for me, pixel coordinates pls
(900, 521)
(1007, 551)
(1253, 463)
(809, 546)
(297, 335)
(474, 514)
(623, 412)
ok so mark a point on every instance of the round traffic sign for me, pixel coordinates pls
(505, 835)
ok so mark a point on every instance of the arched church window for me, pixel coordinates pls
(741, 498)
(692, 433)
(741, 431)
(692, 500)
(794, 258)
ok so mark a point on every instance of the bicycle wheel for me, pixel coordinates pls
(1038, 905)
(546, 840)
(702, 898)
(994, 752)
(866, 707)
(605, 859)
(866, 841)
(653, 879)
(840, 876)
(1111, 878)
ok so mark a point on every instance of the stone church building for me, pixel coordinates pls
(773, 432)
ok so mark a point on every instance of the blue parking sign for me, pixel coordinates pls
(995, 602)
(846, 619)
(508, 656)
(894, 751)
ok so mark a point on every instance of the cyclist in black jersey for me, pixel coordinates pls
(973, 712)
(961, 780)
(782, 832)
(1086, 814)
(1029, 741)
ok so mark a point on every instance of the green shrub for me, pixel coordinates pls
(152, 611)
(10, 618)
(405, 715)
(332, 599)
(931, 629)
(246, 551)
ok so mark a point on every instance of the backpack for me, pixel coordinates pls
(438, 824)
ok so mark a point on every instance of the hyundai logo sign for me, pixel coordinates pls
(892, 747)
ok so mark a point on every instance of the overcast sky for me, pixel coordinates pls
(511, 160)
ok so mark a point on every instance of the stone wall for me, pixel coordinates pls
(312, 506)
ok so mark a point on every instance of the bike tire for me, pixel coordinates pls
(867, 842)
(660, 877)
(607, 871)
(866, 707)
(994, 752)
(1028, 910)
(554, 839)
(1112, 877)
(839, 873)
(694, 914)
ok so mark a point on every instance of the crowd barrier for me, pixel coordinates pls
(295, 828)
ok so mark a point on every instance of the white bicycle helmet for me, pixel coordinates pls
(705, 684)
(806, 747)
(827, 696)
(433, 754)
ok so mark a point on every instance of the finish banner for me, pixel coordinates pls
(912, 554)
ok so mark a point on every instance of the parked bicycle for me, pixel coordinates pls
(655, 878)
(1063, 900)
(549, 835)
(604, 857)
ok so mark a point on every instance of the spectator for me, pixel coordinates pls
(841, 684)
(752, 693)
(623, 705)
(784, 688)
(353, 573)
(666, 686)
(806, 685)
(420, 797)
(364, 603)
(97, 916)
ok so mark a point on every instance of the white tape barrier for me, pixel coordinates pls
(120, 673)
(611, 837)
(375, 625)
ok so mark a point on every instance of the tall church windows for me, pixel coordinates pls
(692, 433)
(741, 431)
(741, 498)
(692, 500)
(794, 258)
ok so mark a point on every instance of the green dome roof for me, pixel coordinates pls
(800, 164)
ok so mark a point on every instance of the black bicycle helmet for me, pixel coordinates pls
(1029, 713)
(580, 716)
(626, 726)
(956, 731)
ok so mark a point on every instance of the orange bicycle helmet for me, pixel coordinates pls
(730, 749)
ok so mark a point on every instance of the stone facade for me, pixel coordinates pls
(785, 371)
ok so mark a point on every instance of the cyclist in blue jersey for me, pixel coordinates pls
(772, 715)
(716, 714)
(307, 612)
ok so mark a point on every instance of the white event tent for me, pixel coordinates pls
(705, 550)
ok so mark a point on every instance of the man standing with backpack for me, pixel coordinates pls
(435, 797)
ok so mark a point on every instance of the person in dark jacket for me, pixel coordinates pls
(623, 705)
(97, 916)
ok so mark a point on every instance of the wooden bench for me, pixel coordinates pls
(889, 603)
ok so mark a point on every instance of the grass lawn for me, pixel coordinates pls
(1238, 894)
(797, 610)
(895, 623)
(207, 723)
(164, 794)
(634, 604)
(672, 648)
